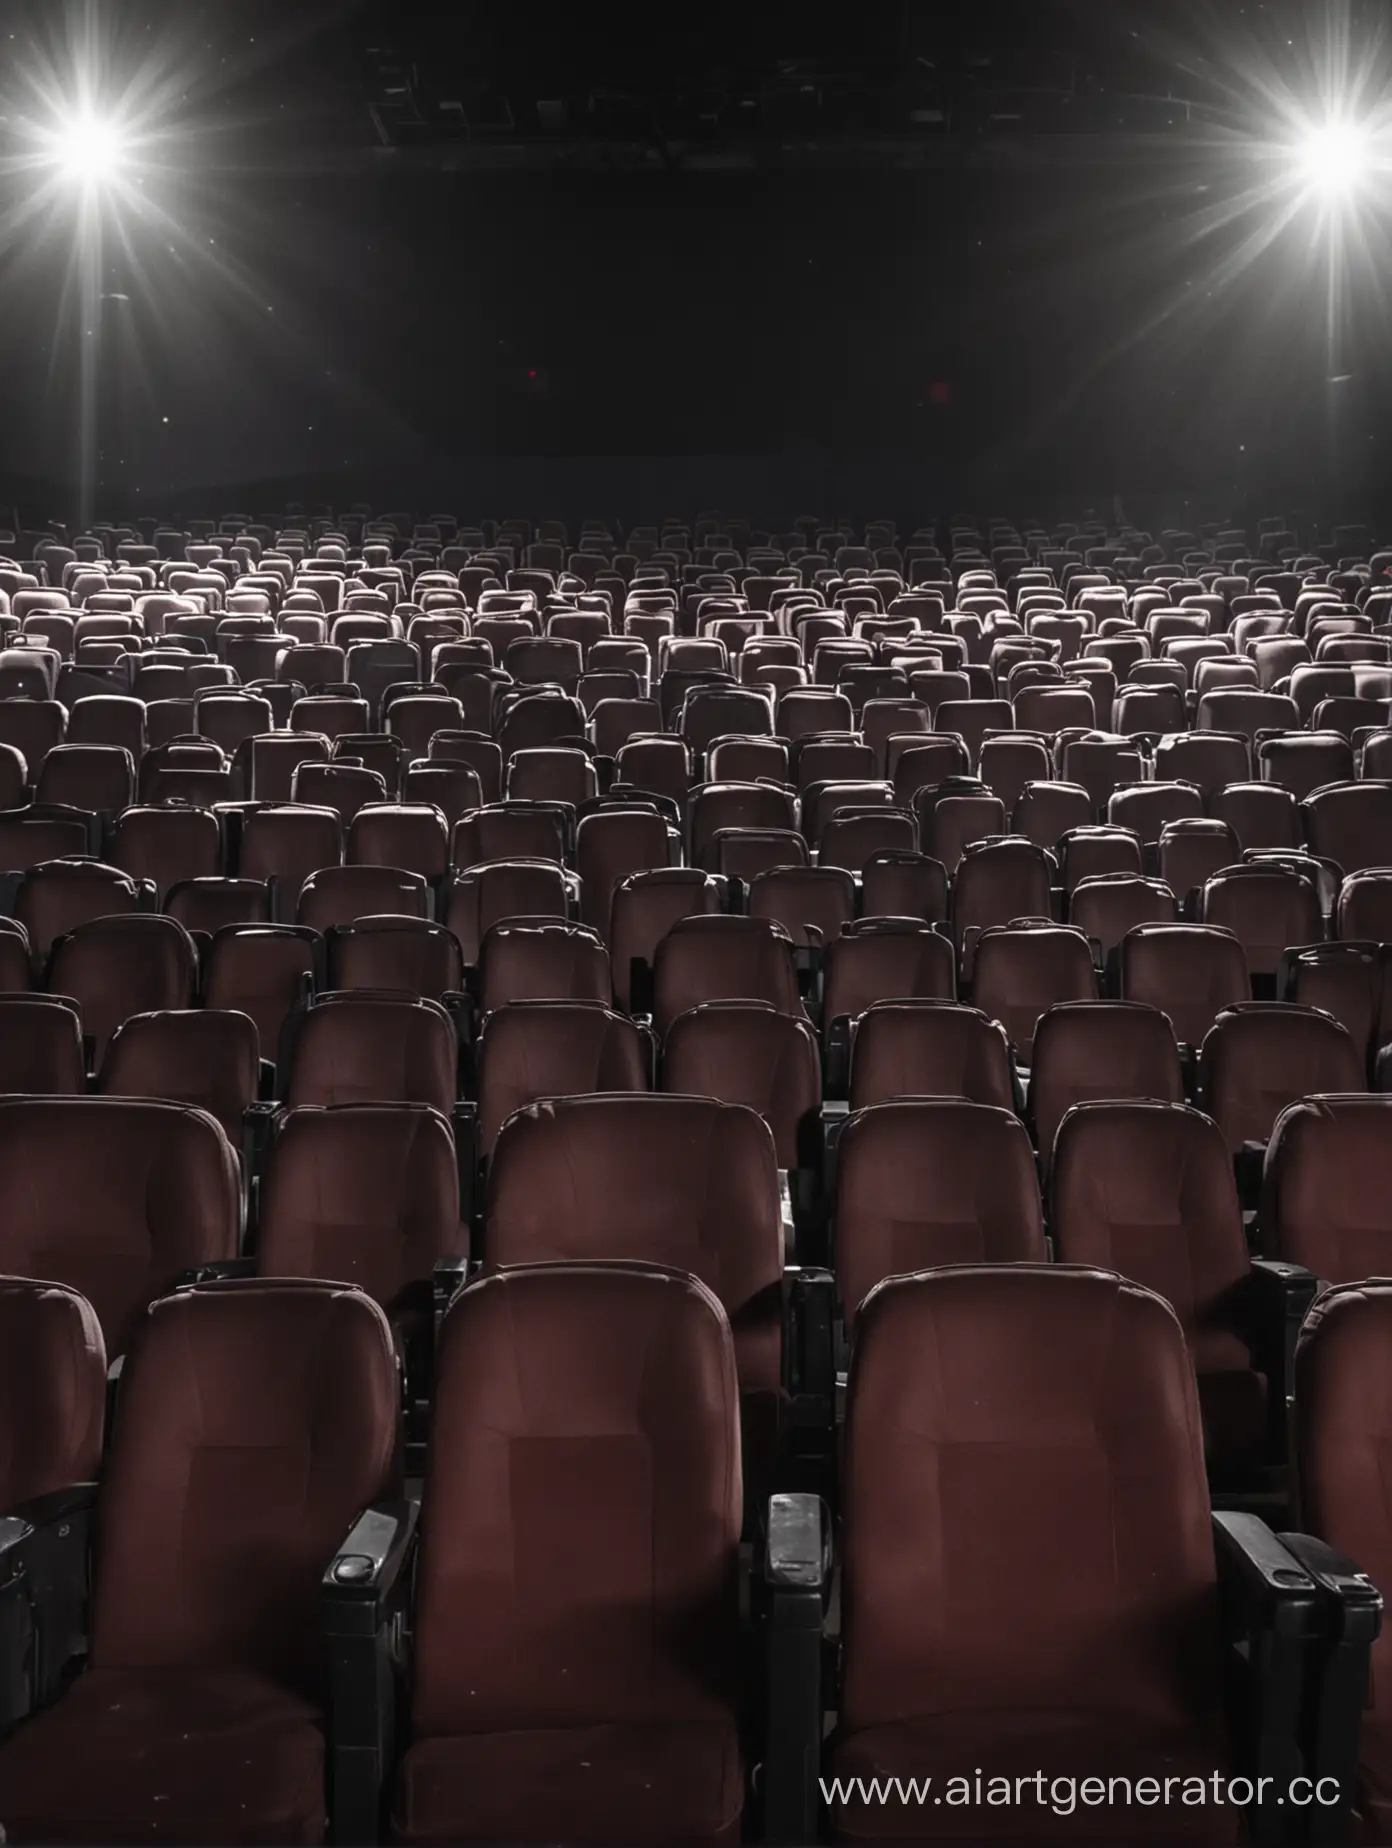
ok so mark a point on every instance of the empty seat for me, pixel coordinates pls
(264, 970)
(746, 1052)
(371, 1049)
(343, 894)
(1340, 1417)
(493, 891)
(1269, 909)
(364, 1194)
(343, 788)
(96, 777)
(1261, 1056)
(409, 955)
(1263, 816)
(1106, 909)
(1305, 761)
(157, 1181)
(207, 1057)
(114, 967)
(261, 1419)
(707, 958)
(541, 960)
(34, 727)
(597, 1699)
(1326, 1201)
(41, 1050)
(1190, 972)
(1351, 824)
(57, 896)
(1146, 808)
(1021, 970)
(885, 959)
(1193, 850)
(930, 1049)
(287, 845)
(1146, 1189)
(812, 903)
(1046, 811)
(167, 846)
(681, 1181)
(1066, 1399)
(508, 831)
(54, 1362)
(904, 885)
(926, 1182)
(997, 882)
(536, 1049)
(1099, 1050)
(610, 845)
(645, 907)
(1098, 853)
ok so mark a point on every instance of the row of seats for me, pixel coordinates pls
(571, 1631)
(370, 1195)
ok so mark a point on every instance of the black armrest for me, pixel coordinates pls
(43, 1588)
(362, 1593)
(1248, 1163)
(796, 1575)
(810, 1317)
(1271, 1616)
(1351, 1609)
(1280, 1295)
(836, 1058)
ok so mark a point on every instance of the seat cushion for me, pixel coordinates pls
(1067, 1747)
(131, 1756)
(679, 1783)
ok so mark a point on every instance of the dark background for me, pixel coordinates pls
(1026, 312)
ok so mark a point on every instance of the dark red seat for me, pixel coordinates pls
(207, 1057)
(54, 1369)
(1327, 1185)
(530, 1050)
(256, 1421)
(576, 1671)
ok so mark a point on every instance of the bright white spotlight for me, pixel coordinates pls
(1335, 159)
(89, 150)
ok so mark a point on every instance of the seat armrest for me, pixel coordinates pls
(1248, 1164)
(43, 1596)
(795, 1579)
(1351, 1608)
(809, 1340)
(1271, 1619)
(464, 1117)
(363, 1594)
(1279, 1298)
(222, 1272)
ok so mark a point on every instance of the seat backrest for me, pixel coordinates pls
(625, 1444)
(158, 1180)
(902, 959)
(541, 959)
(1099, 1049)
(118, 966)
(288, 844)
(1066, 1399)
(256, 1421)
(929, 1181)
(488, 894)
(1269, 909)
(746, 1052)
(343, 894)
(1021, 970)
(609, 846)
(206, 1057)
(373, 1049)
(1351, 823)
(262, 970)
(41, 1049)
(1106, 908)
(537, 1049)
(1147, 1189)
(998, 881)
(400, 834)
(409, 955)
(1261, 1056)
(1189, 971)
(717, 958)
(1325, 1187)
(167, 846)
(365, 1194)
(53, 1364)
(57, 896)
(1339, 1438)
(682, 1181)
(930, 1049)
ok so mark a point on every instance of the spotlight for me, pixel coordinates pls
(89, 150)
(1335, 159)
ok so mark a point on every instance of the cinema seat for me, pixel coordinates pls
(255, 1422)
(53, 1361)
